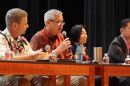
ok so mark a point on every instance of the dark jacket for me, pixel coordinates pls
(117, 51)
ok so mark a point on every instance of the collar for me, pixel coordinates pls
(128, 45)
(7, 33)
(49, 34)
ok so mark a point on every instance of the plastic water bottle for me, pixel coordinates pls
(8, 54)
(105, 59)
(78, 54)
(127, 60)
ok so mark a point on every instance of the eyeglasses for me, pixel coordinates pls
(58, 22)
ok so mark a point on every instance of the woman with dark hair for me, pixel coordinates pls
(78, 37)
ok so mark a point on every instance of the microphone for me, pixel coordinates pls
(48, 48)
(64, 34)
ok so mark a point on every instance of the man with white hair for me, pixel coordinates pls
(51, 35)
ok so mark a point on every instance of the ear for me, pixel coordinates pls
(47, 22)
(14, 25)
(121, 30)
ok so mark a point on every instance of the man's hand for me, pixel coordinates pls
(40, 55)
(63, 46)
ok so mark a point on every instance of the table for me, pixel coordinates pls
(46, 68)
(111, 70)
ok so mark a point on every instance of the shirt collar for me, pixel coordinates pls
(49, 34)
(7, 33)
(123, 38)
(128, 45)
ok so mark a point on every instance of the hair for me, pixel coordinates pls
(75, 33)
(14, 15)
(51, 14)
(124, 22)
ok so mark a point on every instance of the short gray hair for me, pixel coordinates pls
(51, 14)
(14, 15)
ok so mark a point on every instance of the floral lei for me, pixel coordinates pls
(16, 45)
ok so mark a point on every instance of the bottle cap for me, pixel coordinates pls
(105, 54)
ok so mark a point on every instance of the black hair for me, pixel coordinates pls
(124, 22)
(75, 33)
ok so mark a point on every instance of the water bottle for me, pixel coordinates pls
(127, 60)
(78, 54)
(105, 59)
(8, 54)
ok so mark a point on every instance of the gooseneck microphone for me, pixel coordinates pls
(48, 48)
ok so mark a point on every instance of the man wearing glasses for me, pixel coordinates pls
(51, 35)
